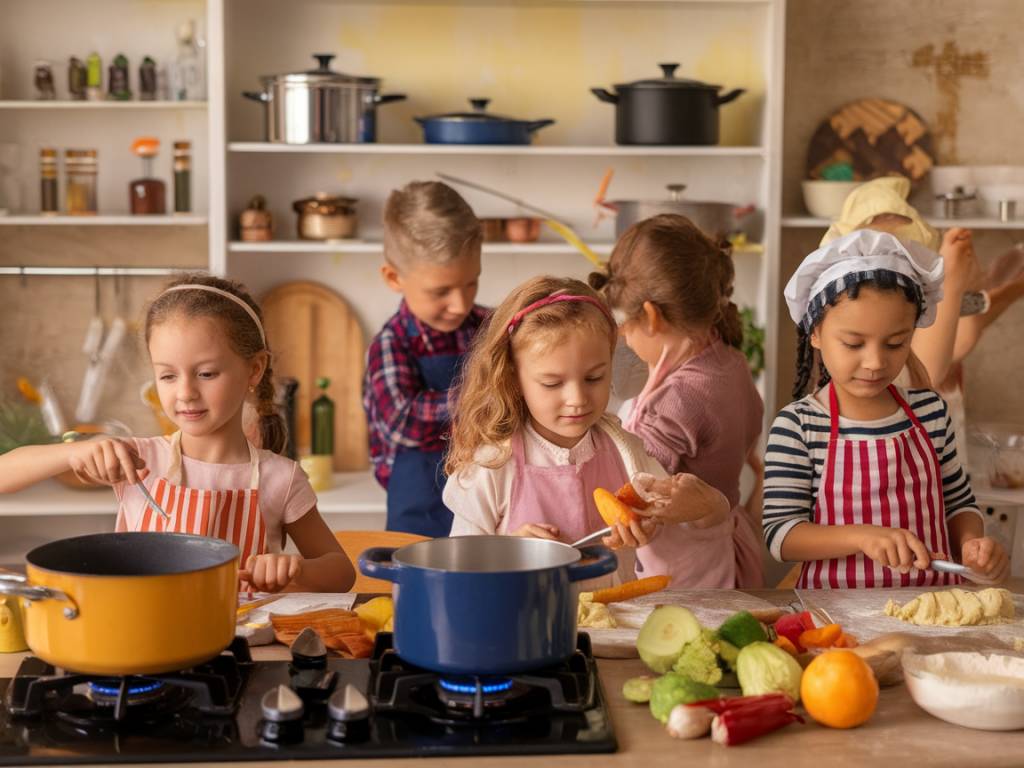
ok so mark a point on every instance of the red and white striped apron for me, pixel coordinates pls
(232, 515)
(893, 482)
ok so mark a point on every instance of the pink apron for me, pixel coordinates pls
(232, 515)
(893, 482)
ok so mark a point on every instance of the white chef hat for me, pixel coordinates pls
(858, 257)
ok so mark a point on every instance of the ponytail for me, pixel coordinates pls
(273, 430)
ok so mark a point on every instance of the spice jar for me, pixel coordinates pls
(182, 176)
(80, 181)
(147, 194)
(255, 223)
(48, 205)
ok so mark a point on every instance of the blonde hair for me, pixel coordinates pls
(429, 221)
(488, 403)
(243, 335)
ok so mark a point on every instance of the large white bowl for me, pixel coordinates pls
(825, 199)
(975, 690)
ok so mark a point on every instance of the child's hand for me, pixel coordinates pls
(690, 499)
(106, 461)
(539, 531)
(271, 572)
(894, 548)
(987, 558)
(959, 258)
(637, 534)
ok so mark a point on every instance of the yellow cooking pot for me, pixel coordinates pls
(128, 603)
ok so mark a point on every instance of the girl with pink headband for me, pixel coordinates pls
(210, 356)
(530, 437)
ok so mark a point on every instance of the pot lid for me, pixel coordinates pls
(324, 203)
(323, 75)
(478, 115)
(669, 81)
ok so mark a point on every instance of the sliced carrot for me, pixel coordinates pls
(631, 589)
(612, 510)
(785, 644)
(823, 637)
(627, 495)
(846, 641)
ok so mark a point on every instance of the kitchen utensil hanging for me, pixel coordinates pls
(563, 230)
(99, 364)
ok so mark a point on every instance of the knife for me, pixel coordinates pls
(592, 537)
(947, 566)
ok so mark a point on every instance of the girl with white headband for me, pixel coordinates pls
(210, 356)
(531, 440)
(863, 484)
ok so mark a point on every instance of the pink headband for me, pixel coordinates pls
(554, 298)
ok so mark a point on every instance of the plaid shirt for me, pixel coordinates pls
(401, 412)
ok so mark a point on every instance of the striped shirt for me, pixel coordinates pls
(798, 448)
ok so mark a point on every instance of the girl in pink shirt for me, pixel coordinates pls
(210, 355)
(699, 411)
(530, 437)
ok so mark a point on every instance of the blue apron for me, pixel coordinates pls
(417, 476)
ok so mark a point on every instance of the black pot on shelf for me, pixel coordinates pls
(666, 110)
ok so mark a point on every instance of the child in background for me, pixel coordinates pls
(699, 411)
(432, 243)
(209, 352)
(530, 437)
(862, 478)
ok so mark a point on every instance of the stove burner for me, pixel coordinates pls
(106, 691)
(478, 694)
(471, 686)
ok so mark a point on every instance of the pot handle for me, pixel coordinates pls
(605, 563)
(376, 563)
(387, 98)
(536, 125)
(604, 95)
(257, 96)
(725, 98)
(18, 586)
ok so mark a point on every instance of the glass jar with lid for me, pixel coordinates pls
(48, 204)
(80, 181)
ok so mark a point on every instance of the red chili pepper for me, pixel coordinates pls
(764, 701)
(736, 726)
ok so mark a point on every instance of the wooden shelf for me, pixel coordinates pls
(100, 105)
(488, 149)
(364, 246)
(813, 222)
(105, 220)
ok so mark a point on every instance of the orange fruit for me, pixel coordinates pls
(838, 689)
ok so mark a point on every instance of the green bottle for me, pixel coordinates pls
(323, 420)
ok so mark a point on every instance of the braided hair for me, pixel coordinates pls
(849, 285)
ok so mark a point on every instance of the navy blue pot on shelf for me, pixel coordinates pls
(485, 605)
(478, 127)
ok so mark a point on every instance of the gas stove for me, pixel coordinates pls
(312, 707)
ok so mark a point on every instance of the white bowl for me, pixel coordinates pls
(975, 690)
(825, 199)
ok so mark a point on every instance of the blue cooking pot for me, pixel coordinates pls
(478, 127)
(485, 605)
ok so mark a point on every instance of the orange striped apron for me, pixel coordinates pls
(232, 515)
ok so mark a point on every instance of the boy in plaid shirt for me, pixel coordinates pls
(432, 243)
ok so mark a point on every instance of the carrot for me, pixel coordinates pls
(631, 589)
(612, 510)
(786, 644)
(823, 637)
(627, 495)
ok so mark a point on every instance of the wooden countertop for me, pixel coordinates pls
(899, 734)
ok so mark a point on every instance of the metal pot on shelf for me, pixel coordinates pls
(320, 106)
(326, 217)
(666, 110)
(715, 218)
(478, 127)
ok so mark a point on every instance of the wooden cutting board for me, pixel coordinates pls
(313, 332)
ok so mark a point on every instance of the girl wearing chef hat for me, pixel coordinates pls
(863, 484)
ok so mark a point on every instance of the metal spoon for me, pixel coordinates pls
(592, 537)
(151, 501)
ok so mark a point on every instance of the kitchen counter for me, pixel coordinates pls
(898, 734)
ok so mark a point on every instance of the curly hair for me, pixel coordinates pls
(668, 261)
(488, 407)
(241, 332)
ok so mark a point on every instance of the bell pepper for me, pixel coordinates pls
(763, 703)
(824, 637)
(846, 641)
(792, 625)
(611, 509)
(786, 644)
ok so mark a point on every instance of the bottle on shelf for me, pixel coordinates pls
(77, 77)
(147, 79)
(188, 78)
(94, 77)
(48, 204)
(182, 176)
(120, 89)
(147, 195)
(319, 466)
(80, 177)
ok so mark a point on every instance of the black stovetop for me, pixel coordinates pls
(215, 712)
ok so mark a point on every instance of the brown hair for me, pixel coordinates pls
(429, 220)
(240, 330)
(489, 407)
(668, 261)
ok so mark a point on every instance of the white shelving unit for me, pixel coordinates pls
(813, 222)
(43, 106)
(486, 149)
(355, 246)
(105, 220)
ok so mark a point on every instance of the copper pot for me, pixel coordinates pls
(326, 217)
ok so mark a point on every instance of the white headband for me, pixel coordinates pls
(225, 294)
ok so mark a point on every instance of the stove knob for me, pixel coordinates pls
(308, 650)
(350, 715)
(282, 716)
